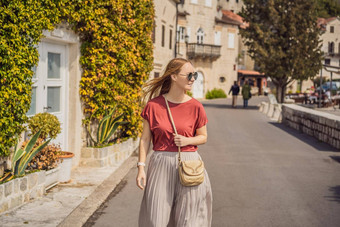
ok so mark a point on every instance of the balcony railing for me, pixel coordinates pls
(333, 54)
(196, 50)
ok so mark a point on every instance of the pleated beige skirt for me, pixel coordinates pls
(166, 202)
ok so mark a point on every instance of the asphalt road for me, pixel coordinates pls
(262, 174)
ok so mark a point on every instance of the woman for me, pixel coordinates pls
(166, 202)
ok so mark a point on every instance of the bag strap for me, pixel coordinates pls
(173, 125)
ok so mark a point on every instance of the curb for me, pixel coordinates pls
(79, 216)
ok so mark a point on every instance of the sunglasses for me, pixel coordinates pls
(190, 75)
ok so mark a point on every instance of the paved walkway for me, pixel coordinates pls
(262, 174)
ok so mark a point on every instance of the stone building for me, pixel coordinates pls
(331, 44)
(330, 39)
(164, 34)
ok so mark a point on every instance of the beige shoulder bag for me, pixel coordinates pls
(191, 172)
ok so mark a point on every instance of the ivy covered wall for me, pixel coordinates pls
(116, 56)
(21, 28)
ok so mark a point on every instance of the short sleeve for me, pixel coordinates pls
(146, 112)
(201, 118)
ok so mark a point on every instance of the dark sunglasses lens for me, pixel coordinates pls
(195, 75)
(190, 75)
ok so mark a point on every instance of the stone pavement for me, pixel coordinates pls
(70, 204)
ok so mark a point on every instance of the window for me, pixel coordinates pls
(236, 1)
(193, 1)
(208, 3)
(327, 61)
(331, 29)
(154, 32)
(170, 39)
(156, 74)
(181, 34)
(200, 36)
(231, 40)
(339, 48)
(217, 38)
(330, 47)
(163, 35)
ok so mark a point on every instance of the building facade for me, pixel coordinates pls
(331, 45)
(164, 34)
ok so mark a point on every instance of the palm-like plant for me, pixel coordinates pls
(106, 128)
(23, 156)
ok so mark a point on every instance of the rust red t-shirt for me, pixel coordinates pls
(188, 117)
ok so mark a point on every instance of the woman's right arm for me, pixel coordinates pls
(144, 146)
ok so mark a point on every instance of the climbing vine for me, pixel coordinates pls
(116, 57)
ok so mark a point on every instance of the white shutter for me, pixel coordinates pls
(208, 3)
(188, 33)
(217, 37)
(177, 33)
(231, 40)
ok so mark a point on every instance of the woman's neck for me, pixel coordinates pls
(176, 95)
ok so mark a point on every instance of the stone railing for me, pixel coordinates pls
(323, 126)
(197, 50)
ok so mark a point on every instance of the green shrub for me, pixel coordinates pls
(22, 23)
(215, 93)
(47, 123)
(116, 57)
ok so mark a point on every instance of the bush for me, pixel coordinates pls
(48, 123)
(47, 158)
(22, 23)
(116, 57)
(215, 93)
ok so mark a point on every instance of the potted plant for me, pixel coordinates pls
(48, 158)
(65, 166)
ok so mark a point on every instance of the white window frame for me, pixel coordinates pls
(218, 38)
(231, 40)
(200, 36)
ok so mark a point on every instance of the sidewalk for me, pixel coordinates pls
(73, 203)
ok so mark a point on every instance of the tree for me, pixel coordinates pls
(283, 39)
(328, 8)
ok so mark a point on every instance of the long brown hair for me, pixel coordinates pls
(161, 85)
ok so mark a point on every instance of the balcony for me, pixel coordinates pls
(333, 54)
(196, 50)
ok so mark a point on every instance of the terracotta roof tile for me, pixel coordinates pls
(232, 18)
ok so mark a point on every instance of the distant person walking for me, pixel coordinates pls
(235, 89)
(246, 94)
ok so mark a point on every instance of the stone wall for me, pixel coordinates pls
(21, 190)
(112, 155)
(323, 126)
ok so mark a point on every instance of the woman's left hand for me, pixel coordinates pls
(181, 141)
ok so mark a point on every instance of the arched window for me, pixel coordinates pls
(200, 36)
(330, 47)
